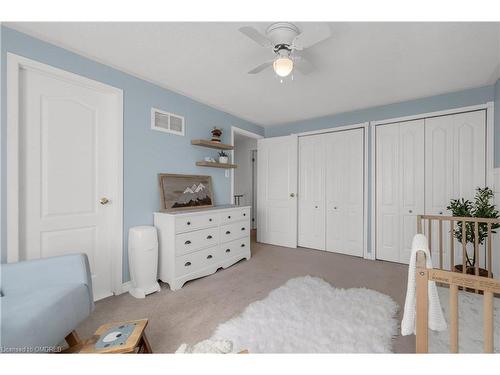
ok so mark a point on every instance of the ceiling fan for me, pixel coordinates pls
(285, 39)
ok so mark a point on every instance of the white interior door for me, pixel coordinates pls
(455, 166)
(345, 191)
(399, 187)
(277, 191)
(68, 162)
(311, 214)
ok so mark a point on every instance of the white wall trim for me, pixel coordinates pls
(124, 288)
(432, 114)
(490, 148)
(366, 127)
(14, 64)
(246, 133)
(334, 129)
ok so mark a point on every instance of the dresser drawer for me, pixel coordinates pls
(196, 261)
(191, 241)
(233, 231)
(194, 222)
(233, 248)
(235, 215)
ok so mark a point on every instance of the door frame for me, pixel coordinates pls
(14, 65)
(246, 133)
(489, 107)
(366, 127)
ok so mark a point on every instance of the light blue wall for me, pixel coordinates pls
(497, 123)
(464, 98)
(146, 152)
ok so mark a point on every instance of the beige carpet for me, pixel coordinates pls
(192, 313)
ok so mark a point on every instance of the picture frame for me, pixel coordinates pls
(185, 192)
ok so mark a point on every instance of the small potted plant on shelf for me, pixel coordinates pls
(223, 157)
(480, 208)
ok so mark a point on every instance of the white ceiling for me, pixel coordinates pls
(362, 65)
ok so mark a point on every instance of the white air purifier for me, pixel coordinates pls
(143, 260)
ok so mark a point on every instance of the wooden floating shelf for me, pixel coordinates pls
(211, 144)
(215, 165)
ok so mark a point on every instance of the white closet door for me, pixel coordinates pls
(311, 195)
(277, 190)
(387, 192)
(344, 191)
(455, 167)
(411, 139)
(399, 187)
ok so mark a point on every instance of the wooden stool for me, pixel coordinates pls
(120, 337)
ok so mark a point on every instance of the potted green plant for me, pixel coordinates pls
(223, 157)
(480, 208)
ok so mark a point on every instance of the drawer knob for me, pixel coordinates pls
(244, 214)
(242, 245)
(187, 264)
(229, 217)
(243, 228)
(209, 237)
(210, 219)
(188, 223)
(228, 232)
(187, 242)
(209, 257)
(228, 250)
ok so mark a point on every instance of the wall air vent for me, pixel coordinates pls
(167, 122)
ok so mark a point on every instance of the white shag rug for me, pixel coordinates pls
(308, 315)
(470, 323)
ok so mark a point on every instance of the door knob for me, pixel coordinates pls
(410, 211)
(104, 201)
(292, 195)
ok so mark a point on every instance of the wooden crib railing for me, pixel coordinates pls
(448, 224)
(454, 280)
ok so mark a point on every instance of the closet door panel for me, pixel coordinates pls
(469, 153)
(335, 152)
(353, 188)
(387, 192)
(311, 194)
(411, 139)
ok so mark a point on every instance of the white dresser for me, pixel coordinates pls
(196, 243)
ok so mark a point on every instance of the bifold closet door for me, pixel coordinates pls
(455, 165)
(399, 187)
(345, 191)
(311, 195)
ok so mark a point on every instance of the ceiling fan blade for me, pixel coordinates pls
(261, 67)
(303, 65)
(313, 35)
(256, 36)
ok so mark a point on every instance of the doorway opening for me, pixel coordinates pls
(244, 178)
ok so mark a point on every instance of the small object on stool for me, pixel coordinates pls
(121, 337)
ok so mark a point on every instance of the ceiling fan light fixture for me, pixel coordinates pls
(283, 66)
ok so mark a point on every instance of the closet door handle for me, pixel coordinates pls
(209, 257)
(187, 264)
(440, 212)
(187, 242)
(335, 207)
(188, 223)
(228, 232)
(229, 217)
(209, 237)
(244, 214)
(242, 245)
(228, 250)
(210, 219)
(243, 228)
(410, 211)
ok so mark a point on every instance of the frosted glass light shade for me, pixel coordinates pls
(283, 66)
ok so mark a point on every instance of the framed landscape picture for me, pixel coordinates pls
(184, 192)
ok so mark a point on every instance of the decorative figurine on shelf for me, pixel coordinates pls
(216, 134)
(223, 157)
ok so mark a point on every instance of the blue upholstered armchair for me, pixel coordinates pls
(43, 301)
